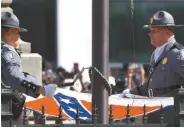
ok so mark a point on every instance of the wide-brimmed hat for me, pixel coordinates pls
(8, 19)
(162, 19)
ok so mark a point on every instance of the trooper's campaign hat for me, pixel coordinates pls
(162, 19)
(8, 19)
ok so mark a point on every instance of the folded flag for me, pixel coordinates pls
(70, 100)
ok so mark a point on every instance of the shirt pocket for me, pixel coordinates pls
(165, 72)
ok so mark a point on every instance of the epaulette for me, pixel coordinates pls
(178, 46)
(5, 47)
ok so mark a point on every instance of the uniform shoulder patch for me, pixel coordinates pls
(179, 46)
(10, 57)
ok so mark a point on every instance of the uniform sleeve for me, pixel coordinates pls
(12, 71)
(178, 63)
(140, 90)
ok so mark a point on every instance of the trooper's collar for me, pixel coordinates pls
(3, 43)
(170, 43)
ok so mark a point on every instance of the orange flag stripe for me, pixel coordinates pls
(51, 107)
(119, 112)
(87, 105)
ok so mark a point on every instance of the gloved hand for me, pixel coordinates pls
(50, 89)
(125, 92)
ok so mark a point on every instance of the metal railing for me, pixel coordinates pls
(128, 121)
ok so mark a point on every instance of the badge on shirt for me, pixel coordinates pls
(164, 61)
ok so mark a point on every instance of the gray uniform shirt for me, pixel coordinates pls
(167, 71)
(11, 72)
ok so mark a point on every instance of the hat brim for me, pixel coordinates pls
(22, 30)
(19, 29)
(150, 26)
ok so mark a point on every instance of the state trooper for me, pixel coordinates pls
(167, 70)
(12, 76)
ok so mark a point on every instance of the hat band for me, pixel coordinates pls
(9, 23)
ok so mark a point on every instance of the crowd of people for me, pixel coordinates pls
(59, 75)
(130, 75)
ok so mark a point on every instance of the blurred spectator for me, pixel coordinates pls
(130, 75)
(75, 68)
(60, 70)
(123, 75)
(48, 76)
(146, 69)
(47, 79)
(121, 82)
(135, 75)
(119, 87)
(60, 76)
